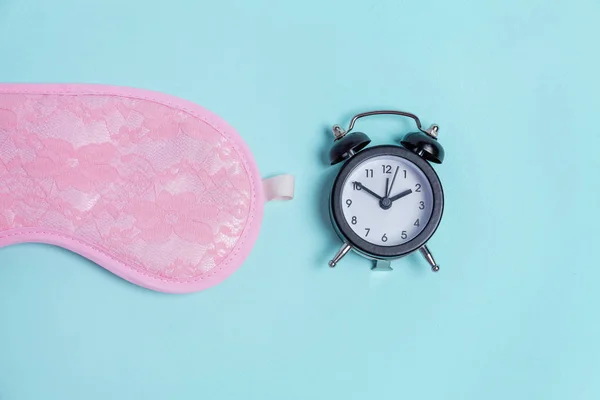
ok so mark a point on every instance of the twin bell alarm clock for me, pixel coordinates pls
(386, 201)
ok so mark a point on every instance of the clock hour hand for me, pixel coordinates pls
(366, 189)
(401, 195)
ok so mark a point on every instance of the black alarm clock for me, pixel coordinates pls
(386, 201)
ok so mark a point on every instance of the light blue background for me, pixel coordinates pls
(512, 314)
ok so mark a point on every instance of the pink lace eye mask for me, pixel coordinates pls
(153, 188)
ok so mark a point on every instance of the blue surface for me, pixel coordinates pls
(512, 314)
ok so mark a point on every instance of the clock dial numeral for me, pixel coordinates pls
(354, 221)
(368, 230)
(369, 173)
(418, 187)
(387, 169)
(356, 186)
(421, 205)
(404, 174)
(417, 222)
(404, 235)
(384, 238)
(348, 202)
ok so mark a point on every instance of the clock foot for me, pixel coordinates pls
(340, 254)
(382, 265)
(429, 257)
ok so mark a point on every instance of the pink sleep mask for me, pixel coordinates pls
(155, 189)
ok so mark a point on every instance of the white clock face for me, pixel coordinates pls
(392, 218)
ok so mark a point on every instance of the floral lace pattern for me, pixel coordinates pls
(154, 186)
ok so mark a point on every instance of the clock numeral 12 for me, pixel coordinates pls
(387, 169)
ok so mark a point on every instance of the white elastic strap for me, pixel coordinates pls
(280, 187)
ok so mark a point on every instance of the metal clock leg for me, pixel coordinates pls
(429, 257)
(340, 254)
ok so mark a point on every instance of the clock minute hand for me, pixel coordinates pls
(387, 194)
(387, 186)
(366, 189)
(401, 195)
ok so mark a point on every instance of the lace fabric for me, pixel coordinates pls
(153, 185)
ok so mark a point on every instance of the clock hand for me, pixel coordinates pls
(387, 186)
(360, 185)
(387, 194)
(401, 195)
